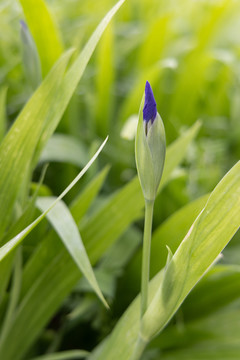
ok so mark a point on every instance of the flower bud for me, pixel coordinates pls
(31, 61)
(150, 146)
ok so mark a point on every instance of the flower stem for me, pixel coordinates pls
(146, 254)
(141, 343)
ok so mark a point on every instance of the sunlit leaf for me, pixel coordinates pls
(44, 32)
(64, 355)
(13, 243)
(64, 224)
(64, 148)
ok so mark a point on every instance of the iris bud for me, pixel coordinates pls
(150, 146)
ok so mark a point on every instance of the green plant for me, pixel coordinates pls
(57, 107)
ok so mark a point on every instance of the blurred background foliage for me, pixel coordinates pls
(190, 53)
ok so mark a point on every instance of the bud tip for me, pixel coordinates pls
(150, 106)
(23, 24)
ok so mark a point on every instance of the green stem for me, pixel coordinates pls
(146, 254)
(141, 343)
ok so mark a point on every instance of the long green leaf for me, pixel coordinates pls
(64, 148)
(213, 337)
(19, 144)
(74, 75)
(218, 290)
(104, 82)
(209, 234)
(44, 31)
(215, 352)
(5, 273)
(64, 355)
(205, 240)
(14, 295)
(3, 119)
(82, 202)
(64, 224)
(11, 245)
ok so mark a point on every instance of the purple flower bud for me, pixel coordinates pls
(23, 25)
(30, 57)
(150, 106)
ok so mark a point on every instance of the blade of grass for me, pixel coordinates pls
(13, 243)
(64, 224)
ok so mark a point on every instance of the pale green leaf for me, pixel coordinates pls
(5, 273)
(82, 202)
(214, 352)
(14, 296)
(209, 234)
(176, 151)
(153, 45)
(64, 355)
(64, 224)
(44, 32)
(104, 82)
(64, 148)
(218, 289)
(11, 245)
(3, 118)
(19, 144)
(213, 337)
(30, 58)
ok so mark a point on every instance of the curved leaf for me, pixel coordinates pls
(11, 245)
(205, 240)
(64, 224)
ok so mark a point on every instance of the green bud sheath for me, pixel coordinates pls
(150, 146)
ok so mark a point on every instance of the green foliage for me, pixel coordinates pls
(64, 224)
(64, 355)
(44, 31)
(189, 52)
